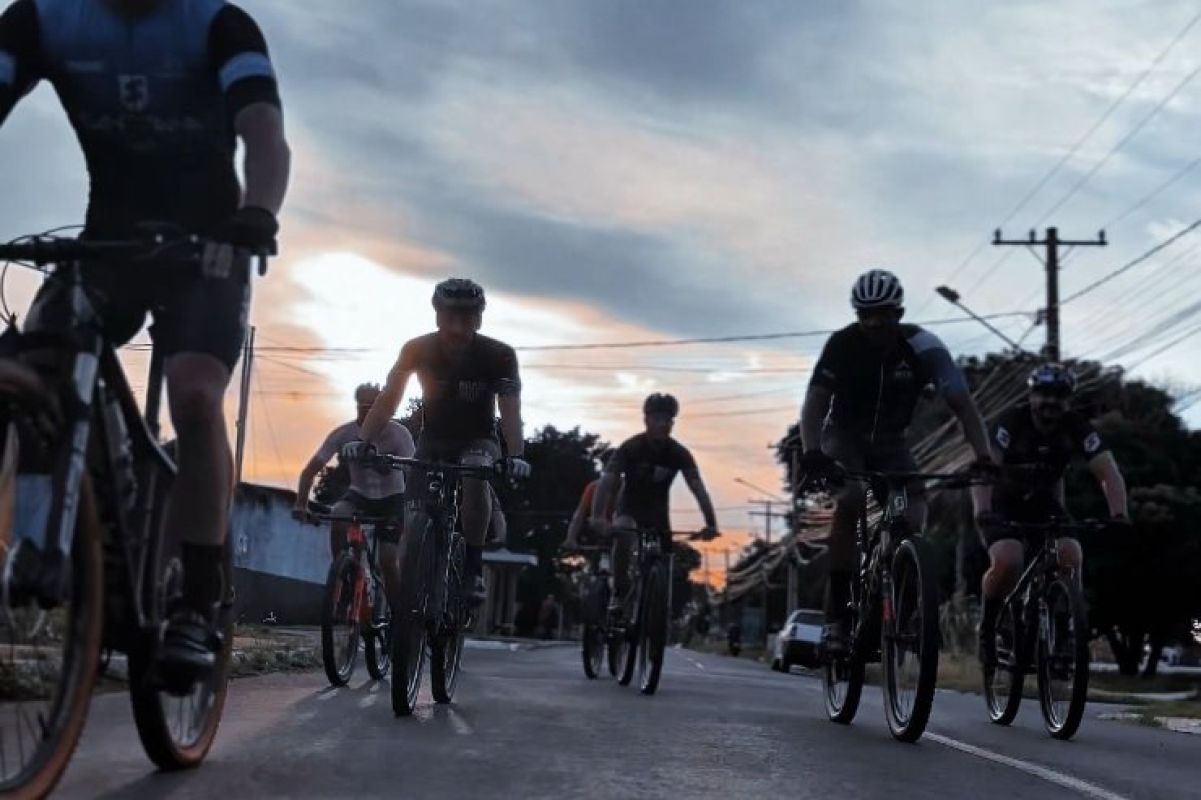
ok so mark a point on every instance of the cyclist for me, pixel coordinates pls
(649, 463)
(159, 93)
(465, 377)
(372, 493)
(580, 526)
(860, 401)
(1041, 437)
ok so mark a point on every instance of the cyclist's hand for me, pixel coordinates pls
(518, 468)
(300, 514)
(570, 543)
(357, 451)
(817, 464)
(1120, 523)
(249, 228)
(707, 534)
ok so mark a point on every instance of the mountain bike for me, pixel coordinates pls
(1042, 628)
(893, 608)
(355, 605)
(640, 638)
(594, 602)
(88, 566)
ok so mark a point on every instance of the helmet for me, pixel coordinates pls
(366, 392)
(1053, 379)
(459, 293)
(877, 288)
(661, 404)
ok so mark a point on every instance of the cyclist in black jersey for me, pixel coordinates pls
(465, 378)
(860, 402)
(159, 92)
(1035, 443)
(648, 463)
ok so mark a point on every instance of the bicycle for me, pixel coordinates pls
(91, 480)
(432, 608)
(638, 642)
(893, 609)
(355, 605)
(594, 597)
(1043, 628)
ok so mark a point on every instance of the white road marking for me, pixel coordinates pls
(459, 724)
(1037, 770)
(368, 701)
(328, 694)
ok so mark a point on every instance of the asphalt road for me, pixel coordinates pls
(528, 724)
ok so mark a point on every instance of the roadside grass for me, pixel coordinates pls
(259, 649)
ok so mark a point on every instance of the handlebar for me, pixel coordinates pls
(497, 469)
(169, 243)
(1055, 525)
(949, 480)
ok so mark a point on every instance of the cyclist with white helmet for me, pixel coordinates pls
(1035, 442)
(860, 402)
(465, 379)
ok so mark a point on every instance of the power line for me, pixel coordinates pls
(1133, 263)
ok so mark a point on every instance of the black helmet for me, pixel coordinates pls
(459, 293)
(877, 288)
(1053, 379)
(661, 404)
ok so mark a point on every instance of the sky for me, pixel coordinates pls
(635, 170)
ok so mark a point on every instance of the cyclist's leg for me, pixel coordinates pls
(1007, 557)
(850, 502)
(350, 502)
(477, 509)
(392, 509)
(623, 531)
(1071, 557)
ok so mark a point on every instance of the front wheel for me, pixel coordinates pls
(1003, 682)
(377, 642)
(652, 629)
(1063, 658)
(446, 650)
(409, 624)
(339, 619)
(910, 641)
(595, 607)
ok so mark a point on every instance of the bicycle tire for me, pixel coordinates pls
(616, 645)
(446, 649)
(914, 592)
(409, 627)
(1003, 684)
(847, 672)
(158, 723)
(1064, 725)
(629, 635)
(377, 642)
(340, 637)
(652, 630)
(83, 629)
(595, 636)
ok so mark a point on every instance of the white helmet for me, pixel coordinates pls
(877, 288)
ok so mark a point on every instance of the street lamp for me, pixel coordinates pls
(952, 297)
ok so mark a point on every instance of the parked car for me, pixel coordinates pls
(798, 640)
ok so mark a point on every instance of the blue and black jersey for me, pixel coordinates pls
(152, 98)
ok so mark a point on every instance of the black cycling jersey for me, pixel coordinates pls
(876, 390)
(649, 468)
(152, 99)
(459, 390)
(1044, 457)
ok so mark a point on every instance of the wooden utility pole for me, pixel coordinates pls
(1052, 243)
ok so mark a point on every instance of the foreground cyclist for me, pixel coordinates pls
(465, 378)
(372, 493)
(159, 145)
(649, 463)
(860, 402)
(1040, 438)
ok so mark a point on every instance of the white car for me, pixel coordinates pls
(798, 640)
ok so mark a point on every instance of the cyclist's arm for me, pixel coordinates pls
(309, 474)
(20, 39)
(942, 369)
(609, 481)
(697, 486)
(813, 416)
(384, 407)
(1105, 469)
(508, 401)
(238, 54)
(576, 526)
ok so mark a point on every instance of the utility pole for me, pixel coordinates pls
(244, 405)
(1052, 243)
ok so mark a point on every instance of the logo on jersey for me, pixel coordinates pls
(1002, 438)
(134, 91)
(1093, 443)
(472, 391)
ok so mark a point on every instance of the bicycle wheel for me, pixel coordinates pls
(1003, 683)
(652, 628)
(50, 661)
(177, 731)
(446, 649)
(1063, 658)
(595, 607)
(339, 619)
(409, 626)
(618, 644)
(630, 635)
(377, 640)
(910, 641)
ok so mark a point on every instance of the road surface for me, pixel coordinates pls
(528, 724)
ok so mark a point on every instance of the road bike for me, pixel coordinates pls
(88, 567)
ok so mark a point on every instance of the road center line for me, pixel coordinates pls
(1045, 773)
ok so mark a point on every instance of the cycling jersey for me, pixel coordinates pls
(367, 481)
(1043, 457)
(152, 99)
(459, 389)
(875, 391)
(649, 468)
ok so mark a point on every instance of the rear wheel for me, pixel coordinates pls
(595, 607)
(48, 659)
(652, 630)
(446, 651)
(409, 624)
(1063, 658)
(842, 681)
(618, 644)
(1003, 682)
(339, 619)
(377, 641)
(910, 641)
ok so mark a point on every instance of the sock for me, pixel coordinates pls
(839, 595)
(203, 578)
(475, 561)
